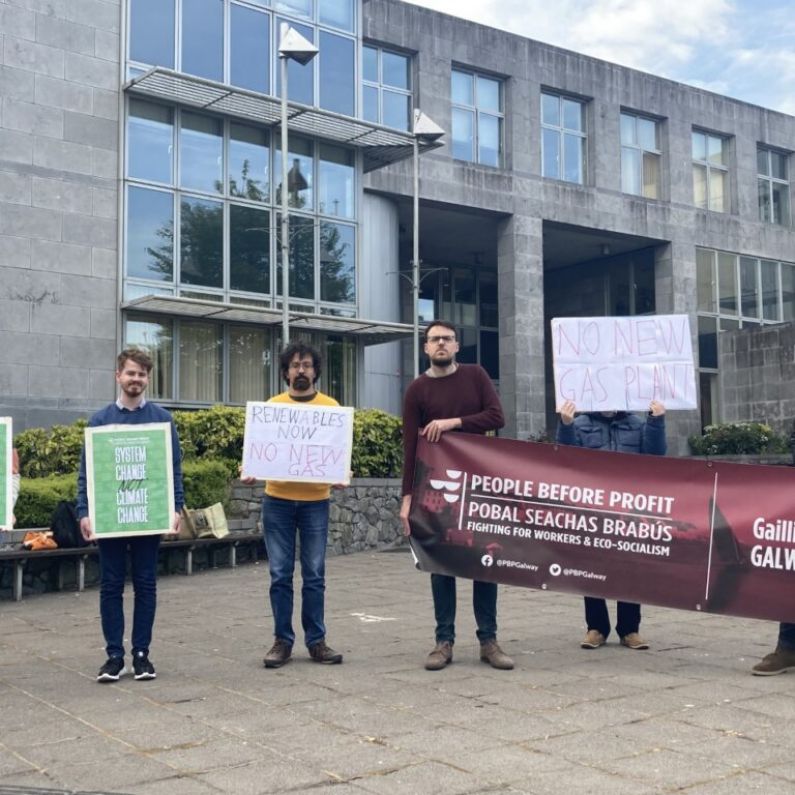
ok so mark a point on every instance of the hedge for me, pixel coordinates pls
(737, 438)
(213, 434)
(205, 482)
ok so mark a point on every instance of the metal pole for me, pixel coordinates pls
(415, 265)
(285, 218)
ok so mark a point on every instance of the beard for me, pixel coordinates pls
(301, 383)
(132, 390)
(442, 360)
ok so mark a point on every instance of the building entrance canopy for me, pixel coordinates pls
(380, 146)
(367, 332)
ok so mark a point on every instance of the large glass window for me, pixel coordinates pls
(336, 181)
(337, 14)
(201, 153)
(200, 350)
(302, 257)
(337, 262)
(477, 117)
(710, 172)
(150, 142)
(223, 246)
(152, 32)
(640, 156)
(737, 292)
(299, 174)
(336, 73)
(201, 236)
(248, 163)
(156, 337)
(150, 234)
(249, 249)
(386, 87)
(249, 368)
(773, 185)
(203, 38)
(249, 48)
(563, 138)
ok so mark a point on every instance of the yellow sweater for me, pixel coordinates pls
(288, 489)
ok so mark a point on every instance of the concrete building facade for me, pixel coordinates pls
(140, 191)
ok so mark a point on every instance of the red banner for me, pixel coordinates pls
(696, 535)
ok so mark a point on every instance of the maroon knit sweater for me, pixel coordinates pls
(467, 393)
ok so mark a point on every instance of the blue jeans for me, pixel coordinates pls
(786, 636)
(113, 571)
(282, 520)
(484, 603)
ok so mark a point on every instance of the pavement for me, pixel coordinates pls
(685, 716)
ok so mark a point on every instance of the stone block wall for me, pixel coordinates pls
(59, 140)
(757, 373)
(362, 516)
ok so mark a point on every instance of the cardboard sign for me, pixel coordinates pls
(298, 442)
(6, 466)
(130, 479)
(676, 532)
(623, 363)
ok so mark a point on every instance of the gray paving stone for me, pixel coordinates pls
(686, 714)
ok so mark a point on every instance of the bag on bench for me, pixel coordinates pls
(204, 522)
(65, 526)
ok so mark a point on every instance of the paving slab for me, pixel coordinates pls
(685, 716)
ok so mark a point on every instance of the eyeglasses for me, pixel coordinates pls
(446, 338)
(307, 365)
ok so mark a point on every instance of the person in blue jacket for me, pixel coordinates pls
(133, 367)
(624, 433)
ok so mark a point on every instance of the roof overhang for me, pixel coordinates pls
(380, 146)
(367, 332)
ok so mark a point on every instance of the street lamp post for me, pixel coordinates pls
(292, 45)
(424, 128)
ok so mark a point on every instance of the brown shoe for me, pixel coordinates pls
(321, 653)
(279, 654)
(593, 640)
(634, 641)
(441, 655)
(778, 662)
(491, 653)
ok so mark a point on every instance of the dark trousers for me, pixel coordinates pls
(596, 616)
(484, 603)
(786, 636)
(113, 571)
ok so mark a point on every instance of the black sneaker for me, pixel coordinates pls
(321, 653)
(111, 670)
(142, 668)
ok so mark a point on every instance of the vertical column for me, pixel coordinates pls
(520, 266)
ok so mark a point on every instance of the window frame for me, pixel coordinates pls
(638, 147)
(561, 131)
(381, 87)
(476, 112)
(768, 180)
(709, 166)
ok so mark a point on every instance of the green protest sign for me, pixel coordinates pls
(6, 500)
(130, 479)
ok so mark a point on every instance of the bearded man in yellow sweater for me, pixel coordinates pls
(291, 509)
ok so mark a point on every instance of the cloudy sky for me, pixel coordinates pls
(742, 48)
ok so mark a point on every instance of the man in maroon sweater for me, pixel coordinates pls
(451, 397)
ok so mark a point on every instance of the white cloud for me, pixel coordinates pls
(742, 48)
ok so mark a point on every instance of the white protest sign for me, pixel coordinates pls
(623, 363)
(298, 442)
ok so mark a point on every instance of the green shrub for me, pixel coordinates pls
(215, 435)
(39, 496)
(377, 444)
(206, 482)
(216, 432)
(737, 438)
(50, 452)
